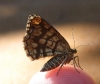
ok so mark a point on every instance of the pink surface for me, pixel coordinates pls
(67, 75)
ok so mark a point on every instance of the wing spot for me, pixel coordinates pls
(45, 36)
(37, 32)
(41, 55)
(52, 30)
(48, 50)
(49, 53)
(36, 20)
(34, 45)
(59, 47)
(53, 45)
(30, 17)
(35, 52)
(55, 38)
(28, 25)
(41, 50)
(49, 43)
(49, 33)
(29, 30)
(42, 41)
(29, 41)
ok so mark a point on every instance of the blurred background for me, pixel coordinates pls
(81, 15)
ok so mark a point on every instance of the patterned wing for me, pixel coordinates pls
(42, 39)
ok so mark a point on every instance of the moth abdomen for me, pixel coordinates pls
(53, 63)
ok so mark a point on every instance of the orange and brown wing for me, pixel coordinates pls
(42, 39)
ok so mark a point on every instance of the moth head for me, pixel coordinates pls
(74, 51)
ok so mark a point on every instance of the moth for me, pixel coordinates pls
(43, 40)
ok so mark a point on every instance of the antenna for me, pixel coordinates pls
(84, 45)
(79, 45)
(73, 37)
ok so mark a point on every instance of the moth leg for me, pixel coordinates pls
(78, 62)
(75, 63)
(61, 65)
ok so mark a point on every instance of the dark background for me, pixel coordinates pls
(13, 14)
(81, 15)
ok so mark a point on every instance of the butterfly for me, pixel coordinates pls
(43, 40)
